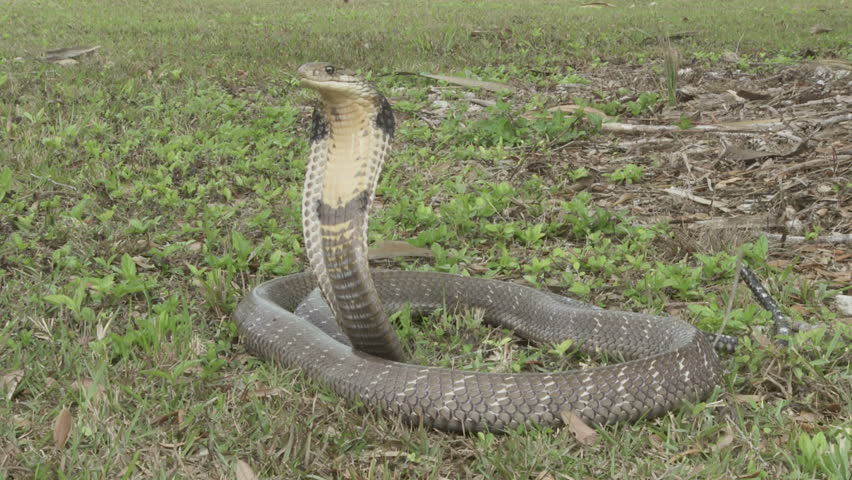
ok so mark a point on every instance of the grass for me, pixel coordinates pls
(142, 193)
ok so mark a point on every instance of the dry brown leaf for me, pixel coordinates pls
(750, 95)
(62, 428)
(682, 35)
(264, 392)
(584, 434)
(87, 384)
(176, 415)
(761, 339)
(243, 471)
(780, 263)
(61, 54)
(688, 92)
(20, 422)
(142, 262)
(818, 29)
(471, 82)
(743, 398)
(725, 440)
(656, 441)
(730, 57)
(730, 181)
(753, 474)
(807, 420)
(172, 445)
(387, 453)
(738, 154)
(10, 381)
(685, 453)
(485, 33)
(397, 248)
(482, 102)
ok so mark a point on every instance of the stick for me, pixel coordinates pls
(835, 119)
(677, 192)
(54, 181)
(813, 163)
(793, 239)
(733, 294)
(754, 126)
(757, 126)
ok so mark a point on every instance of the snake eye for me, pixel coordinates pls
(329, 70)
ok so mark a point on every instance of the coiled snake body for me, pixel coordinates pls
(347, 343)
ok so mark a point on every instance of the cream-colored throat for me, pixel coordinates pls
(351, 147)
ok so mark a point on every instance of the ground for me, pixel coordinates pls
(625, 154)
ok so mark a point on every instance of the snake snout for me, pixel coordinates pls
(315, 70)
(334, 83)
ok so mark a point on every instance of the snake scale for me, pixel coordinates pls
(347, 343)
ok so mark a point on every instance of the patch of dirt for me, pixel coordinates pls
(783, 166)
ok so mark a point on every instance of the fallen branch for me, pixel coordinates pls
(793, 239)
(846, 117)
(677, 192)
(734, 127)
(58, 184)
(465, 82)
(743, 222)
(482, 102)
(823, 101)
(749, 126)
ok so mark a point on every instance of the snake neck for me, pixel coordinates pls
(349, 142)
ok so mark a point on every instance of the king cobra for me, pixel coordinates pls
(342, 338)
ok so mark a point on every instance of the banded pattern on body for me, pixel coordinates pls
(358, 353)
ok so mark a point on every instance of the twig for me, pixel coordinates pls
(737, 127)
(737, 50)
(747, 439)
(54, 182)
(793, 239)
(821, 101)
(677, 192)
(753, 126)
(733, 294)
(686, 162)
(782, 323)
(482, 102)
(790, 136)
(835, 119)
(813, 163)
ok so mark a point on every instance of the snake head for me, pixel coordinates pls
(335, 84)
